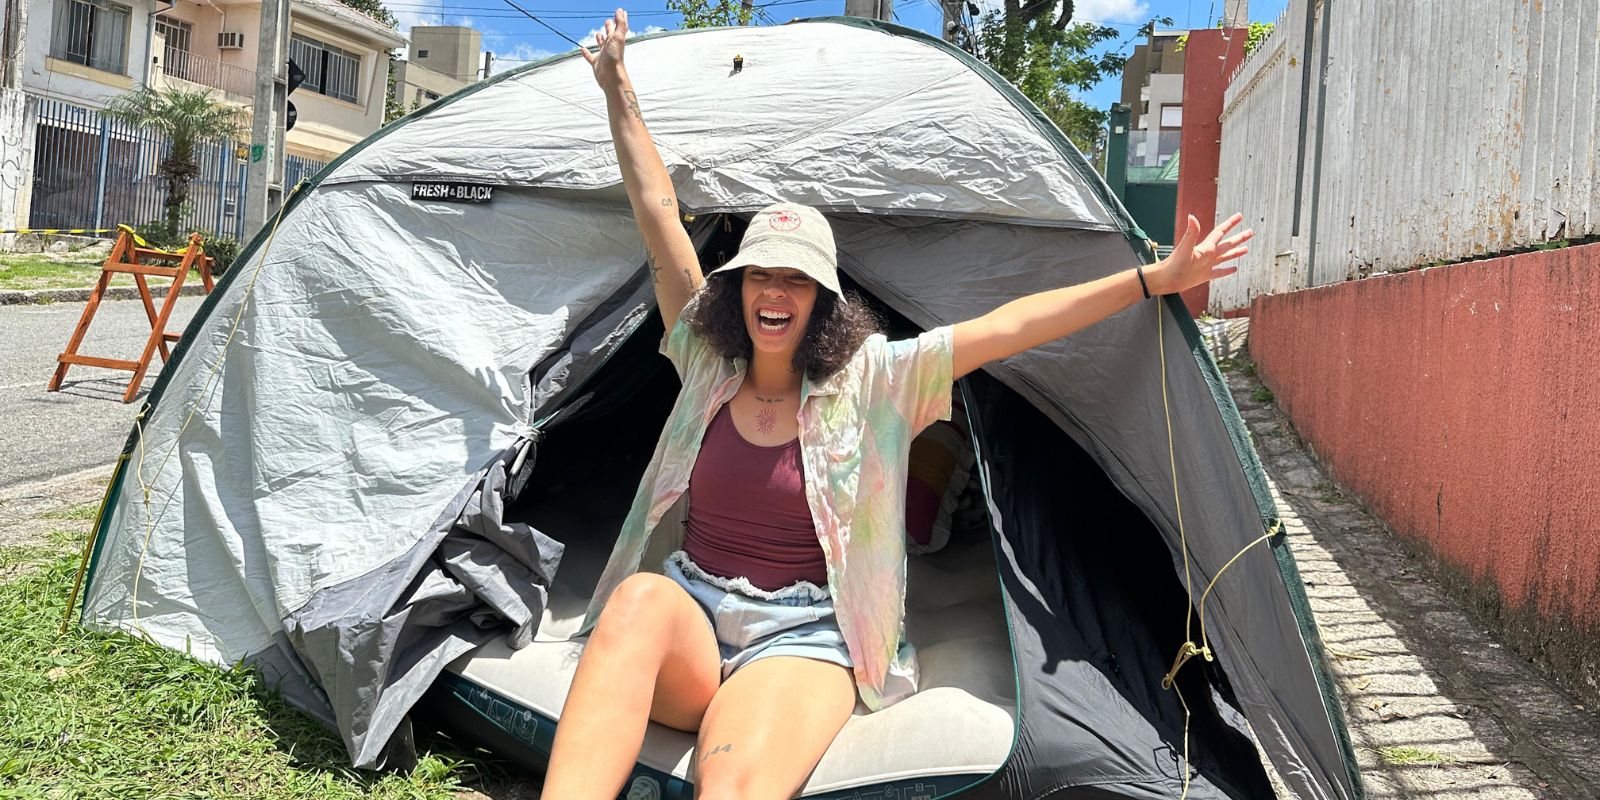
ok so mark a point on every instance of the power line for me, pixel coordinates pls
(553, 28)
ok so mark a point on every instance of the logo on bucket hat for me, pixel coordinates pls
(784, 220)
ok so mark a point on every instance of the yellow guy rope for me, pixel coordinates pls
(205, 388)
(1189, 649)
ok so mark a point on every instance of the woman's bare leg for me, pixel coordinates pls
(768, 726)
(651, 656)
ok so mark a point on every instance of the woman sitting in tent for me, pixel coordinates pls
(790, 435)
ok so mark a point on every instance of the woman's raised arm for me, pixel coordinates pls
(673, 264)
(1030, 321)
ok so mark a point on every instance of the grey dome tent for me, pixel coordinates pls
(394, 446)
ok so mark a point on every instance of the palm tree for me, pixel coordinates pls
(187, 118)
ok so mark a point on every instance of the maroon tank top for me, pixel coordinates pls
(748, 515)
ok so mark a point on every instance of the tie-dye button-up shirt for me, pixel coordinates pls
(856, 428)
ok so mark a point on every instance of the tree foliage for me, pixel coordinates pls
(187, 118)
(1258, 32)
(374, 9)
(1036, 46)
(712, 13)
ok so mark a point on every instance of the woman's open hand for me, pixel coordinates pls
(1195, 260)
(607, 58)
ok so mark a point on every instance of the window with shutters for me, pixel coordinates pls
(329, 70)
(93, 33)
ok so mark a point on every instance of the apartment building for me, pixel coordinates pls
(88, 51)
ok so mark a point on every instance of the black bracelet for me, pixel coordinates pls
(1139, 269)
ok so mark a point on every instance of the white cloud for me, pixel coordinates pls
(431, 15)
(1112, 10)
(516, 56)
(588, 38)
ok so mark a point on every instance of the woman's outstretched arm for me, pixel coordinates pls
(1038, 318)
(673, 264)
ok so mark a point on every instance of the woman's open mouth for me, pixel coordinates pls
(772, 321)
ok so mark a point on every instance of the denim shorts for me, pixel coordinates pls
(751, 624)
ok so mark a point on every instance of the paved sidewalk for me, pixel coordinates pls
(86, 423)
(1436, 707)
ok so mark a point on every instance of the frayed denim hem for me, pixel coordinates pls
(744, 586)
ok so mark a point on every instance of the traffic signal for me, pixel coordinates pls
(297, 76)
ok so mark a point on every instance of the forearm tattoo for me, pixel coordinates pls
(632, 101)
(721, 748)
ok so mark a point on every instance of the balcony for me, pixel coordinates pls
(209, 72)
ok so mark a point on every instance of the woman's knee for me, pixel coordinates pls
(730, 779)
(638, 610)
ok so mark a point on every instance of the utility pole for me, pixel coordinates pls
(13, 32)
(264, 176)
(871, 9)
(488, 61)
(952, 19)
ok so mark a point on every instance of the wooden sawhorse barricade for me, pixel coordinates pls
(134, 256)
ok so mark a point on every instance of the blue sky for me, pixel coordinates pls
(515, 39)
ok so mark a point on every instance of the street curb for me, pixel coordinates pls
(15, 297)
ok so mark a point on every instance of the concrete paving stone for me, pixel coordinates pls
(1414, 668)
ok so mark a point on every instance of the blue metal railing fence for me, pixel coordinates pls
(92, 171)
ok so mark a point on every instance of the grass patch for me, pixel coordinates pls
(1407, 756)
(82, 513)
(106, 715)
(41, 271)
(1262, 395)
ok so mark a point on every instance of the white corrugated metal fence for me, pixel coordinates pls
(1420, 132)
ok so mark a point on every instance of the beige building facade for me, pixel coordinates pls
(1152, 86)
(87, 52)
(441, 60)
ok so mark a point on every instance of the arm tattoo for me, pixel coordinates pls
(688, 277)
(655, 269)
(721, 748)
(632, 101)
(666, 202)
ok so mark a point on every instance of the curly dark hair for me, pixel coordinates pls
(834, 333)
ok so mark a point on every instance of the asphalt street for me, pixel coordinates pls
(47, 434)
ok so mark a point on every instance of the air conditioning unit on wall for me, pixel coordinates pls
(230, 40)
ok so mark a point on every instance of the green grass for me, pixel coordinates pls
(1407, 755)
(105, 715)
(80, 513)
(36, 271)
(1262, 395)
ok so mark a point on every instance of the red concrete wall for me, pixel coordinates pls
(1209, 59)
(1462, 404)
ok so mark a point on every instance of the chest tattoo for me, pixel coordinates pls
(766, 420)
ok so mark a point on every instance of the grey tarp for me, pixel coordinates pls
(370, 355)
(374, 644)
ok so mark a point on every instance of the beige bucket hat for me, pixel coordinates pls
(790, 235)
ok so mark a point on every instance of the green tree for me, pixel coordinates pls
(1036, 46)
(712, 13)
(1258, 32)
(393, 109)
(374, 9)
(187, 118)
